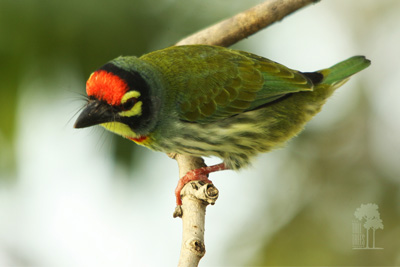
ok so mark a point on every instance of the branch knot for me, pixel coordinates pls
(196, 246)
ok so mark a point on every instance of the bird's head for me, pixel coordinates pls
(118, 99)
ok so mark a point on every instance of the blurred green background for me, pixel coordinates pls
(87, 198)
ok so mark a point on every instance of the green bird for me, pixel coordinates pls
(205, 100)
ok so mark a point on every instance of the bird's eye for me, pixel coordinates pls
(128, 104)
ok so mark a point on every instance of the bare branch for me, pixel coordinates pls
(196, 196)
(242, 25)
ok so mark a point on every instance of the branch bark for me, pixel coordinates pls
(244, 24)
(196, 196)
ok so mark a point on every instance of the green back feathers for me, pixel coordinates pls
(209, 83)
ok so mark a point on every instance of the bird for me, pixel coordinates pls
(204, 100)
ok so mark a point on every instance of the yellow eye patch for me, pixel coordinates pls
(129, 95)
(136, 110)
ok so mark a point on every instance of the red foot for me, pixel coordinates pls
(200, 174)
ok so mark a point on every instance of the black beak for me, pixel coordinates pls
(94, 113)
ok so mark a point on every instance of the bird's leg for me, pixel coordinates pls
(200, 174)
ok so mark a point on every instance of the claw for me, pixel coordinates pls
(200, 174)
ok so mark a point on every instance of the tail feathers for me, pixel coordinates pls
(340, 72)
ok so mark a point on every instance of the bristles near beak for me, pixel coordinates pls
(94, 113)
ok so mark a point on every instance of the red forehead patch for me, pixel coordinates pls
(106, 86)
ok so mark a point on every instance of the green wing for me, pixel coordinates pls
(212, 83)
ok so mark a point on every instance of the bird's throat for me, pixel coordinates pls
(120, 129)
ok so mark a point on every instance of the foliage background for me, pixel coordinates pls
(87, 198)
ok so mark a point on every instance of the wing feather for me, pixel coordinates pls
(212, 83)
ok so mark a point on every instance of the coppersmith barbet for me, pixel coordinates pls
(208, 101)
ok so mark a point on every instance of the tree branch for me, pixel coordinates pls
(242, 25)
(196, 196)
